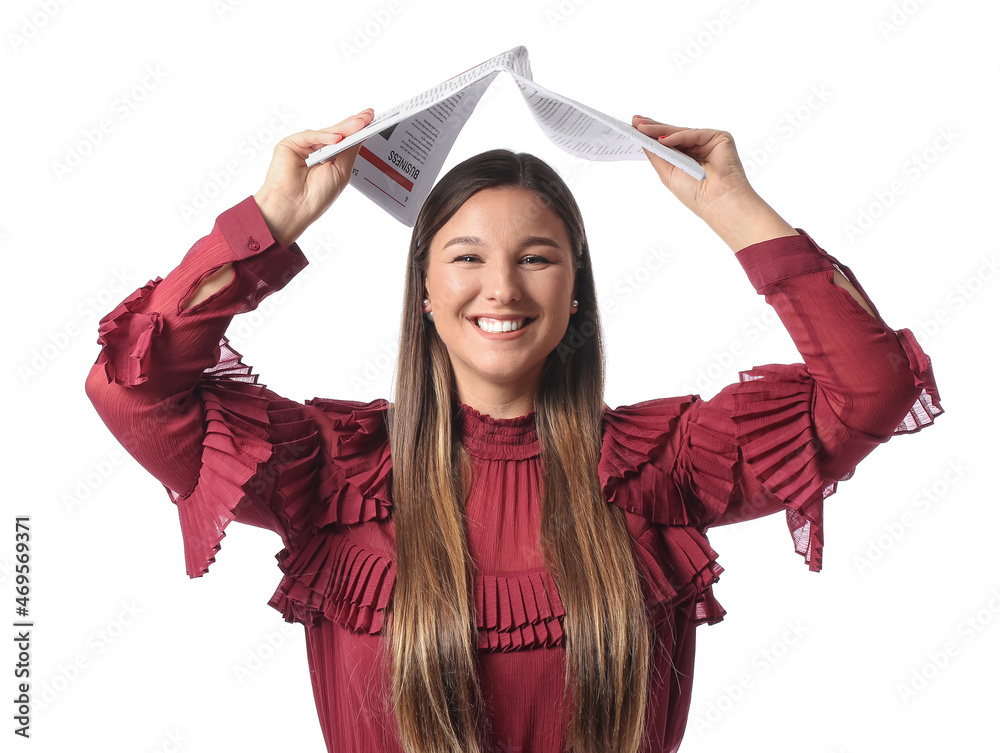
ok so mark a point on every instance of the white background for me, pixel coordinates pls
(82, 225)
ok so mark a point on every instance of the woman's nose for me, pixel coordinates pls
(501, 281)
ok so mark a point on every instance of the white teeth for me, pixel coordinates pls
(495, 326)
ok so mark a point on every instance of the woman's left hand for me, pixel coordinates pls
(724, 175)
(724, 199)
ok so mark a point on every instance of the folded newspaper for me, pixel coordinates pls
(398, 169)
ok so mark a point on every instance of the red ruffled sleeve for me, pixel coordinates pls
(672, 552)
(780, 439)
(181, 401)
(338, 568)
(784, 435)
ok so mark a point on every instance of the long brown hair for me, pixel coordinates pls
(438, 702)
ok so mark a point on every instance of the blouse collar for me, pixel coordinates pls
(497, 438)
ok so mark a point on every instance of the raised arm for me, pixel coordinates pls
(783, 436)
(724, 199)
(293, 195)
(168, 386)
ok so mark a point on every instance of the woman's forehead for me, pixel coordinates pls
(503, 214)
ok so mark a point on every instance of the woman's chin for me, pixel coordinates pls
(503, 376)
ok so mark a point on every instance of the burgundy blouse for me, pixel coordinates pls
(226, 448)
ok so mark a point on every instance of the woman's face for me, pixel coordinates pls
(505, 256)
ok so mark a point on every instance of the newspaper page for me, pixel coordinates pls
(398, 169)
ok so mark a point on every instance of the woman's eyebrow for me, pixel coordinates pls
(530, 240)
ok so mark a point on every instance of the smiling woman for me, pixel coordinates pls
(498, 560)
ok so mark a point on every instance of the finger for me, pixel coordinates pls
(648, 125)
(697, 141)
(350, 125)
(302, 144)
(346, 128)
(306, 142)
(654, 130)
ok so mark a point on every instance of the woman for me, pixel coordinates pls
(498, 561)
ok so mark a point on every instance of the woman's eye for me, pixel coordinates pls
(535, 259)
(467, 257)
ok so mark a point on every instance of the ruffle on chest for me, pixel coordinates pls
(638, 472)
(334, 578)
(342, 571)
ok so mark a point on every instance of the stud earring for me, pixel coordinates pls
(429, 316)
(575, 303)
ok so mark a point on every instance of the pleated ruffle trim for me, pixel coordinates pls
(330, 576)
(675, 560)
(258, 459)
(777, 440)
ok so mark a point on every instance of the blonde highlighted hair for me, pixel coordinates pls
(436, 693)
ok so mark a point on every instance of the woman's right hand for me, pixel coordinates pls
(294, 196)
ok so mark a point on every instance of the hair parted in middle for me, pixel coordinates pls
(438, 701)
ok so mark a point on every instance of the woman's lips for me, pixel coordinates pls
(501, 326)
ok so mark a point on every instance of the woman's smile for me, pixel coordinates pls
(501, 325)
